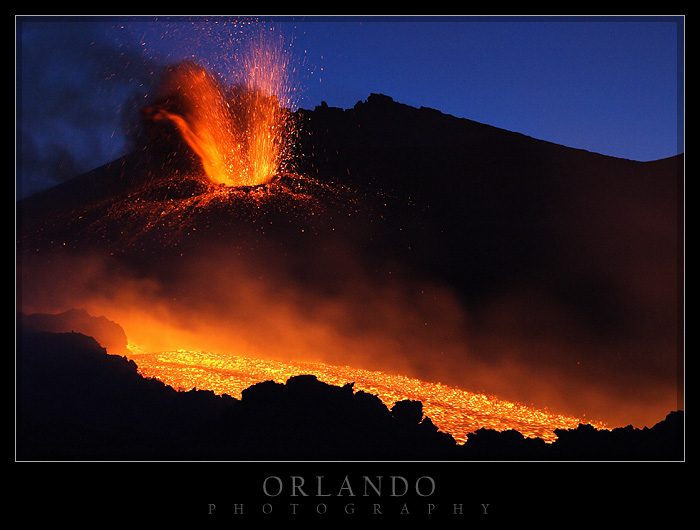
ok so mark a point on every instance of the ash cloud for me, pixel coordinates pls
(77, 94)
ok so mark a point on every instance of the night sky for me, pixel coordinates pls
(609, 85)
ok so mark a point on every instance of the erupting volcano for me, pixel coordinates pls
(399, 241)
(240, 133)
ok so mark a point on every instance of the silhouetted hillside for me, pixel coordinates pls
(495, 206)
(76, 402)
(109, 334)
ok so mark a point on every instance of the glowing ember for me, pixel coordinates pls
(454, 411)
(239, 134)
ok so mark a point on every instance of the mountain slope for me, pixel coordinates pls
(405, 240)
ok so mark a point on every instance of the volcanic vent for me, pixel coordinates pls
(238, 134)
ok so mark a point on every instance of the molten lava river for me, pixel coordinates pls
(454, 411)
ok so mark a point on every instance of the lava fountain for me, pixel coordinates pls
(240, 134)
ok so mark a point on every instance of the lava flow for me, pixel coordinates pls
(452, 410)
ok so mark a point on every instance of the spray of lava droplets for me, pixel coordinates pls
(240, 134)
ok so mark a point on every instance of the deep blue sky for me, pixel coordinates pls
(608, 85)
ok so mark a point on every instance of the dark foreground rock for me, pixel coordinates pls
(76, 402)
(108, 333)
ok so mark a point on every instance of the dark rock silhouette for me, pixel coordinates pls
(408, 412)
(663, 441)
(109, 334)
(487, 444)
(76, 402)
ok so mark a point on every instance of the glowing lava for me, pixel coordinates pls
(452, 410)
(240, 134)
